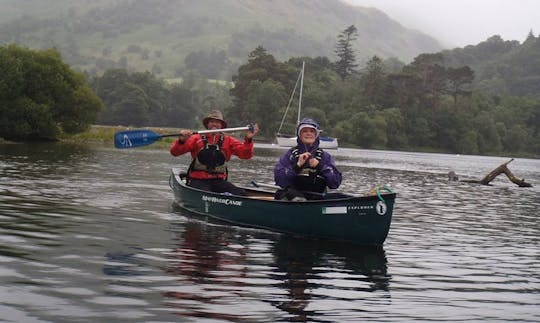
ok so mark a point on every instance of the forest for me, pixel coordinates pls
(426, 105)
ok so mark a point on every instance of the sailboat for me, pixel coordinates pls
(290, 141)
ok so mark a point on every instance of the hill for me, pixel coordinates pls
(501, 67)
(218, 35)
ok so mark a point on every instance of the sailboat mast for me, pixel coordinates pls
(301, 88)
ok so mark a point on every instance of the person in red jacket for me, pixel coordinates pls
(211, 152)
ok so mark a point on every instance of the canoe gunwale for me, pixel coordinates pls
(254, 191)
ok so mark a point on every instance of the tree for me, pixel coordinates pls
(397, 138)
(369, 131)
(460, 81)
(374, 81)
(261, 66)
(488, 140)
(41, 97)
(346, 63)
(516, 138)
(468, 142)
(139, 99)
(431, 74)
(264, 102)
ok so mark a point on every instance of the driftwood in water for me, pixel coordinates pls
(503, 168)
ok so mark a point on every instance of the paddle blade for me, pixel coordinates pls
(135, 138)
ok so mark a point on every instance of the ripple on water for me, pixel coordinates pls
(84, 239)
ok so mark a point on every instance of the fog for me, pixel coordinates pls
(457, 23)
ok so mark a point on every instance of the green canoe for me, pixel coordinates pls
(363, 220)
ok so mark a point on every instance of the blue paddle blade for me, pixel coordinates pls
(135, 138)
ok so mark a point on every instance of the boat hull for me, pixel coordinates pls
(324, 142)
(363, 220)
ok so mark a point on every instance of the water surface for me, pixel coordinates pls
(89, 233)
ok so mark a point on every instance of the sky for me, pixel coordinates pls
(458, 23)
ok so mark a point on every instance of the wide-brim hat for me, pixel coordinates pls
(216, 115)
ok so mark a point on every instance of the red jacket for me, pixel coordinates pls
(231, 146)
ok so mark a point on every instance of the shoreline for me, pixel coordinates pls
(105, 134)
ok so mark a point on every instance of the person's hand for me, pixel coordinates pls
(251, 133)
(313, 162)
(184, 135)
(302, 158)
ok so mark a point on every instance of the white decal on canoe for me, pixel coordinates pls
(381, 208)
(334, 210)
(214, 199)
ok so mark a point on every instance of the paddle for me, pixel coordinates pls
(137, 138)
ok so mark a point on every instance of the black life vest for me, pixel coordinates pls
(211, 158)
(309, 179)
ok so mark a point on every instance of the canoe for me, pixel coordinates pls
(362, 220)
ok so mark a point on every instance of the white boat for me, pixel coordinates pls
(290, 141)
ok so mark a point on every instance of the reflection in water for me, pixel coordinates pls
(42, 160)
(34, 195)
(87, 234)
(201, 252)
(306, 264)
(121, 264)
(222, 268)
(205, 257)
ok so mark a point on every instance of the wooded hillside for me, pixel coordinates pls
(214, 36)
(501, 67)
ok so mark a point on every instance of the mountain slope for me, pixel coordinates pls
(157, 35)
(501, 67)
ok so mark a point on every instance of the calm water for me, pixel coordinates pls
(91, 234)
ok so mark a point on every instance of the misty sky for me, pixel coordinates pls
(457, 23)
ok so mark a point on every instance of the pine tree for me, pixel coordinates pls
(346, 64)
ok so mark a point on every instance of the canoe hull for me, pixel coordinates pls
(361, 220)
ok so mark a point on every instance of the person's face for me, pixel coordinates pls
(308, 135)
(214, 124)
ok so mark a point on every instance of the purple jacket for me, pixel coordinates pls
(285, 169)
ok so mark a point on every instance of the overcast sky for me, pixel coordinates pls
(457, 23)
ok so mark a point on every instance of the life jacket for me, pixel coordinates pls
(309, 179)
(210, 158)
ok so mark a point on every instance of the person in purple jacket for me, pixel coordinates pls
(306, 171)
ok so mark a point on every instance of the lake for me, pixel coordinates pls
(89, 233)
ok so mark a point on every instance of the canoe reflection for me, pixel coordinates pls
(202, 264)
(203, 252)
(309, 265)
(220, 267)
